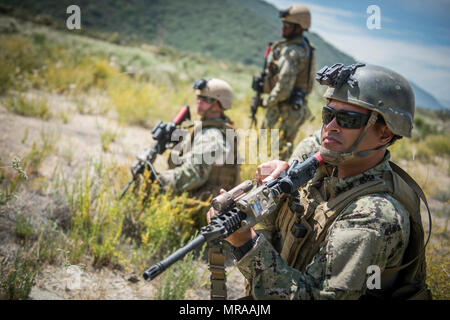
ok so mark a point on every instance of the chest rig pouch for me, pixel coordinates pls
(226, 175)
(305, 73)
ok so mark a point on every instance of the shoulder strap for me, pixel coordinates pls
(413, 184)
(381, 186)
(311, 53)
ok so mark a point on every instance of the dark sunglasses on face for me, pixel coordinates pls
(206, 99)
(287, 24)
(344, 118)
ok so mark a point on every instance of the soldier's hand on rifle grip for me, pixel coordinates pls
(271, 168)
(237, 239)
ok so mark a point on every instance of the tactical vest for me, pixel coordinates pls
(305, 76)
(225, 175)
(303, 229)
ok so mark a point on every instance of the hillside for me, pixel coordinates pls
(426, 100)
(230, 30)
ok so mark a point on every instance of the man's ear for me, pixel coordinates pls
(385, 134)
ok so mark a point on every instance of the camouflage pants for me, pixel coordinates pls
(288, 121)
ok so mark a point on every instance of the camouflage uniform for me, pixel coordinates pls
(373, 230)
(306, 147)
(197, 173)
(327, 235)
(289, 67)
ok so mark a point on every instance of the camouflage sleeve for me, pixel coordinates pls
(373, 230)
(197, 165)
(289, 61)
(306, 146)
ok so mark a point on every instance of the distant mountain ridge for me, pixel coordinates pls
(425, 99)
(232, 30)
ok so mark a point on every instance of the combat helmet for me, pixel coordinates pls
(216, 89)
(378, 89)
(298, 14)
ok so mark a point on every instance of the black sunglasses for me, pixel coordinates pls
(344, 118)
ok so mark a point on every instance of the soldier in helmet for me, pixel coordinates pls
(209, 163)
(290, 76)
(211, 159)
(360, 214)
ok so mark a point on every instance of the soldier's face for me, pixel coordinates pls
(337, 138)
(288, 29)
(206, 105)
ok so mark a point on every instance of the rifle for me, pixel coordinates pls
(258, 86)
(241, 208)
(162, 133)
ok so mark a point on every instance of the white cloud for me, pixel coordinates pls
(428, 66)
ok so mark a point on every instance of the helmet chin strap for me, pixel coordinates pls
(336, 157)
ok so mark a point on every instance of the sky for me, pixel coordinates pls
(413, 38)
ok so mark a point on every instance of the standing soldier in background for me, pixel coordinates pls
(290, 76)
(210, 164)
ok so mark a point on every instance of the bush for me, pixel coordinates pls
(37, 107)
(38, 153)
(17, 59)
(439, 145)
(104, 227)
(18, 279)
(438, 268)
(180, 278)
(423, 128)
(133, 101)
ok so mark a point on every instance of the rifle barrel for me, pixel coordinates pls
(160, 267)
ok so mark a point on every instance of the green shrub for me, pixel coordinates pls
(104, 228)
(106, 138)
(38, 153)
(133, 101)
(422, 128)
(439, 145)
(18, 279)
(37, 107)
(9, 183)
(438, 269)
